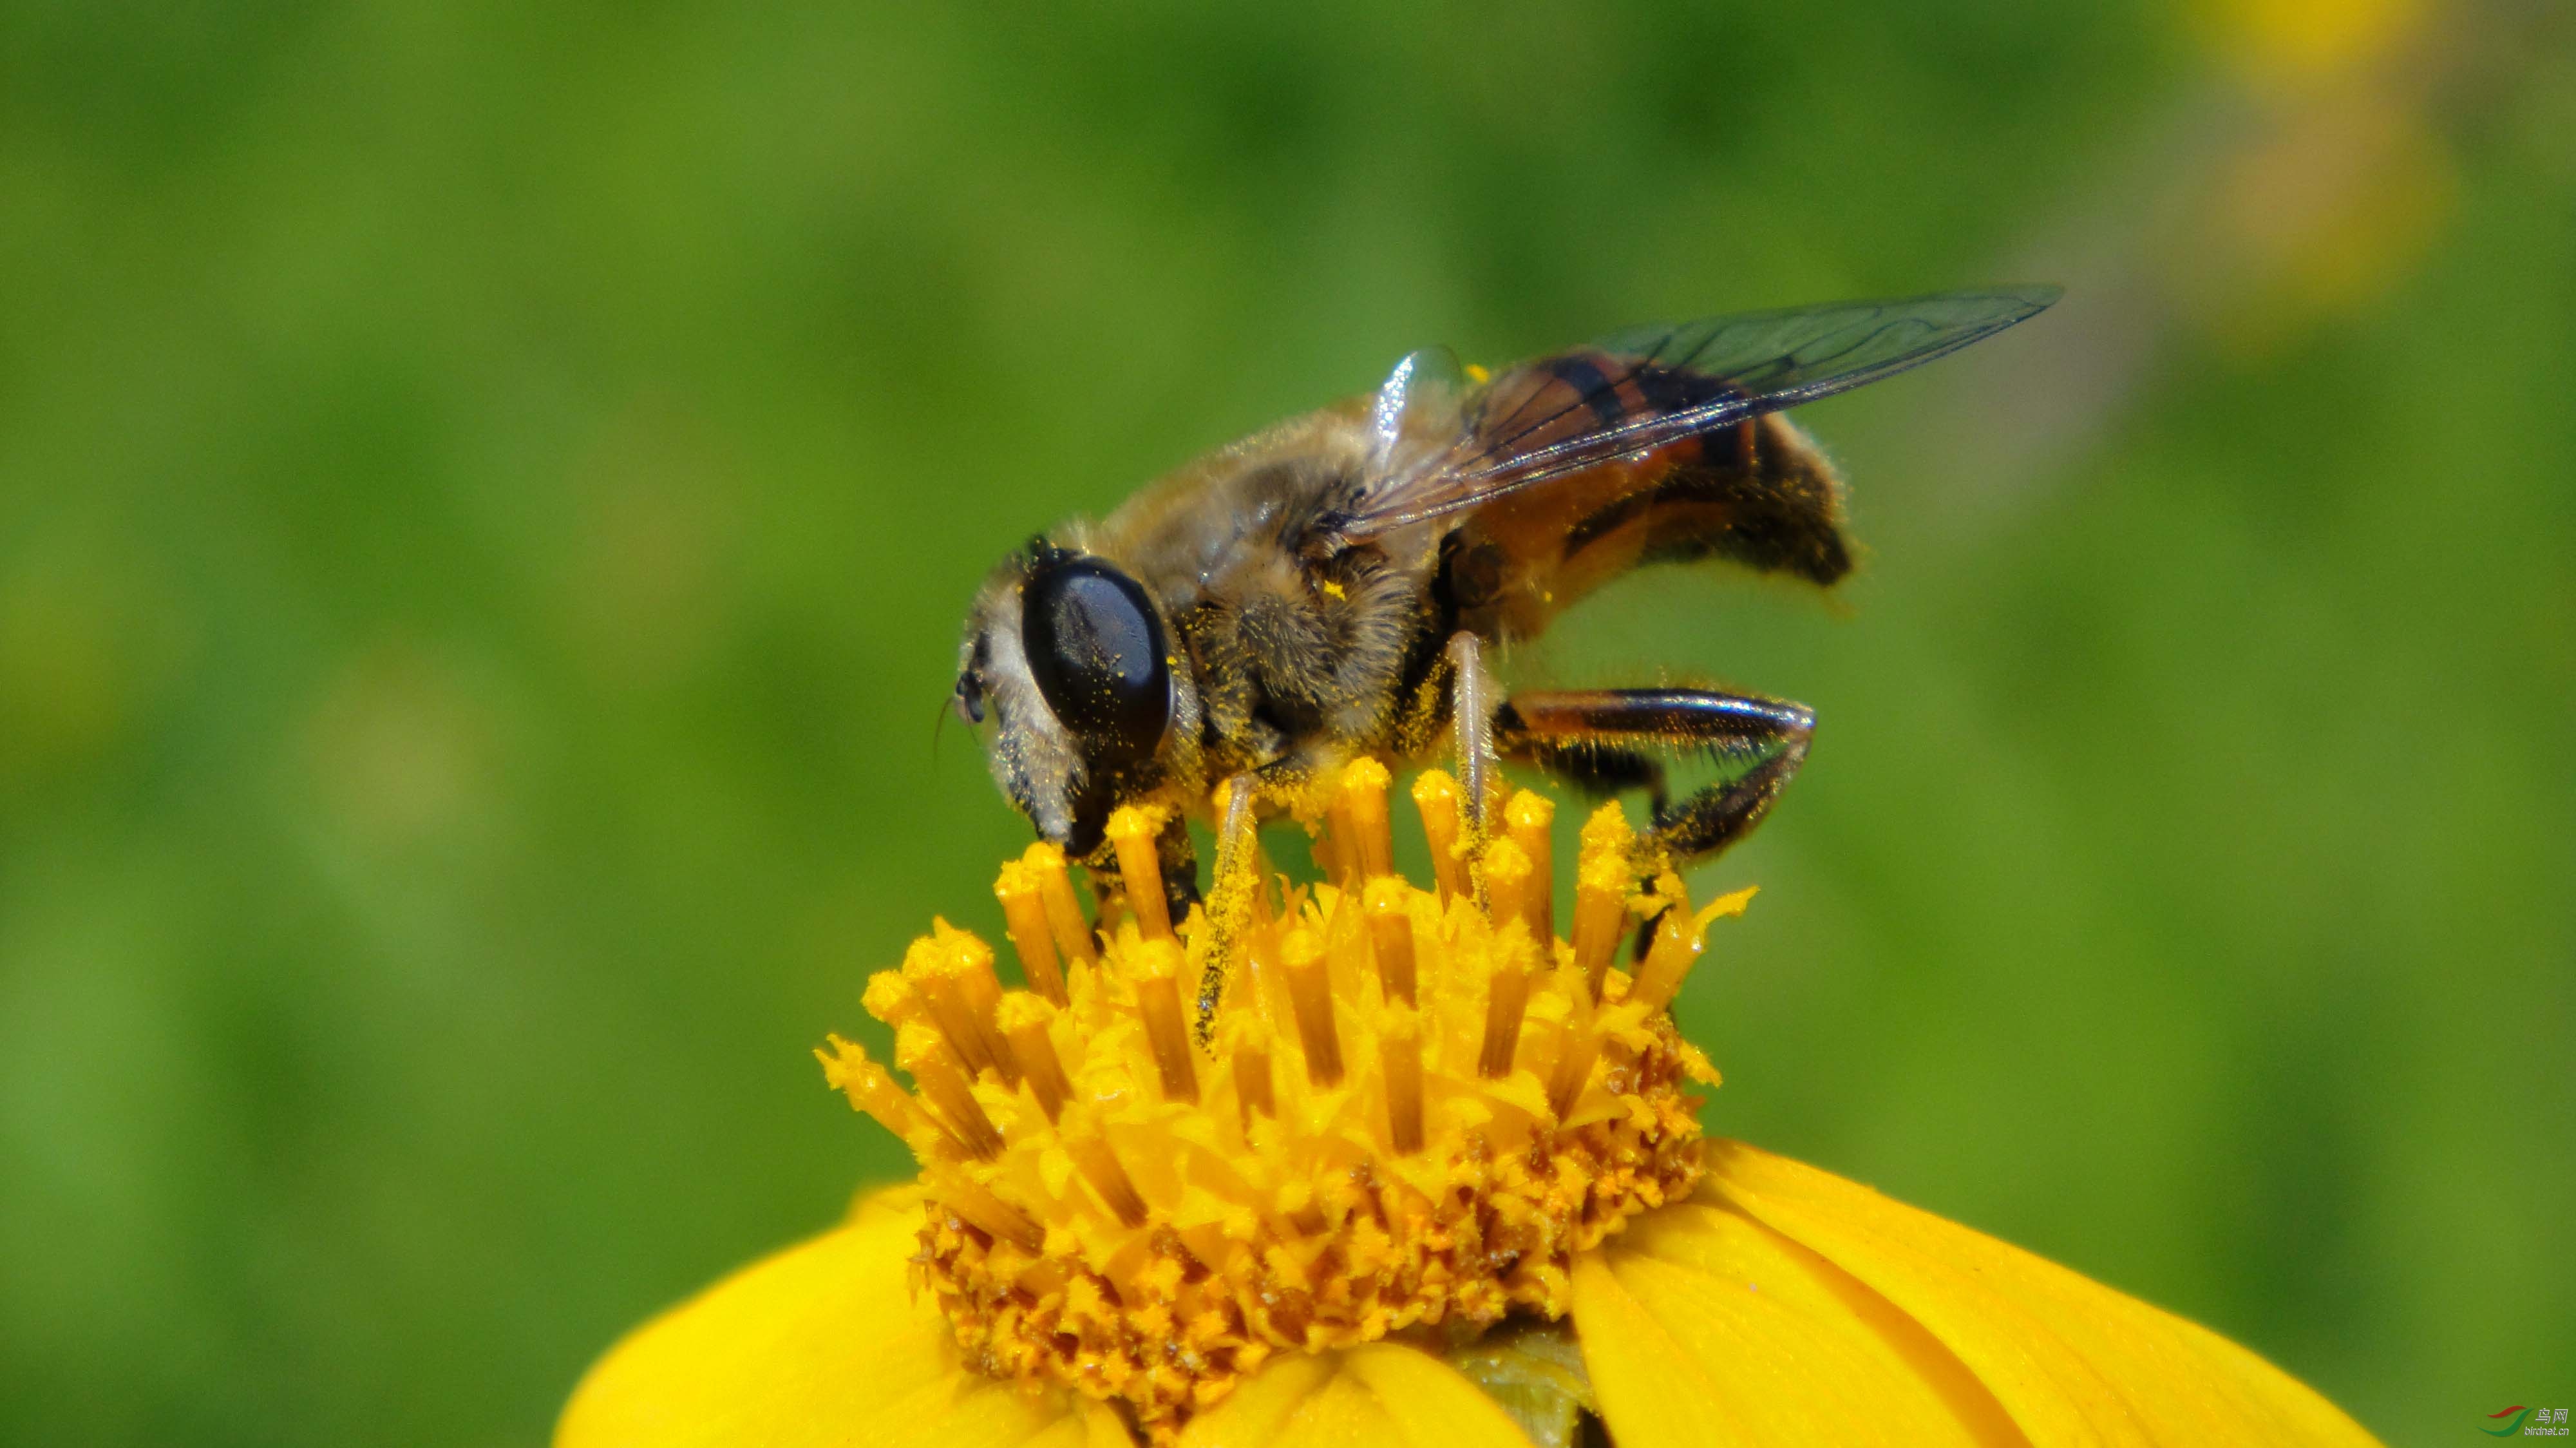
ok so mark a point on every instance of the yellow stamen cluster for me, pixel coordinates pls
(1412, 1108)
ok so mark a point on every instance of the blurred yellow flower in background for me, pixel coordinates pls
(1425, 1173)
(2342, 186)
(2289, 42)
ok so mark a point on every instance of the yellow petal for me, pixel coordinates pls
(2071, 1361)
(1701, 1326)
(820, 1344)
(1379, 1396)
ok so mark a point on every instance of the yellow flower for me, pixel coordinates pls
(1422, 1173)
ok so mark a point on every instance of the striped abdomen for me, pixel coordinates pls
(1754, 493)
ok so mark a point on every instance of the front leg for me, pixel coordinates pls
(1229, 905)
(1601, 732)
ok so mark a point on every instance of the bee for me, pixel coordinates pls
(1343, 583)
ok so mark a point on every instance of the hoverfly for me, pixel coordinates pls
(1341, 583)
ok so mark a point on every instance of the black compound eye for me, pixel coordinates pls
(1096, 649)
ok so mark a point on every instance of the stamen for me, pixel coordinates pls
(1575, 1053)
(1310, 996)
(891, 998)
(1600, 917)
(870, 1087)
(1158, 1002)
(1435, 794)
(1674, 950)
(1025, 920)
(966, 967)
(1099, 1166)
(992, 1216)
(1023, 1020)
(1527, 821)
(1252, 1076)
(1390, 916)
(935, 1001)
(1265, 904)
(1132, 829)
(1506, 998)
(923, 1054)
(1064, 913)
(1509, 882)
(938, 979)
(1399, 1047)
(1679, 940)
(1334, 855)
(1371, 850)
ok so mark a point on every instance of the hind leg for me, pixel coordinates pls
(1598, 737)
(1596, 770)
(1599, 741)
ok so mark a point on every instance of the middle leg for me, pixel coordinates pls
(1475, 722)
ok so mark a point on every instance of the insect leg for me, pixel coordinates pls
(1762, 740)
(1229, 901)
(1597, 769)
(1471, 716)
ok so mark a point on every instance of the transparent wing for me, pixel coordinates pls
(1645, 388)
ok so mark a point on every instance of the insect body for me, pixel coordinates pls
(1335, 586)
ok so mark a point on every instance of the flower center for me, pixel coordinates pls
(1411, 1109)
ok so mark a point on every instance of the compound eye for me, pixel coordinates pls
(1096, 649)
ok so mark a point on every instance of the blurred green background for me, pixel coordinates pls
(487, 493)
